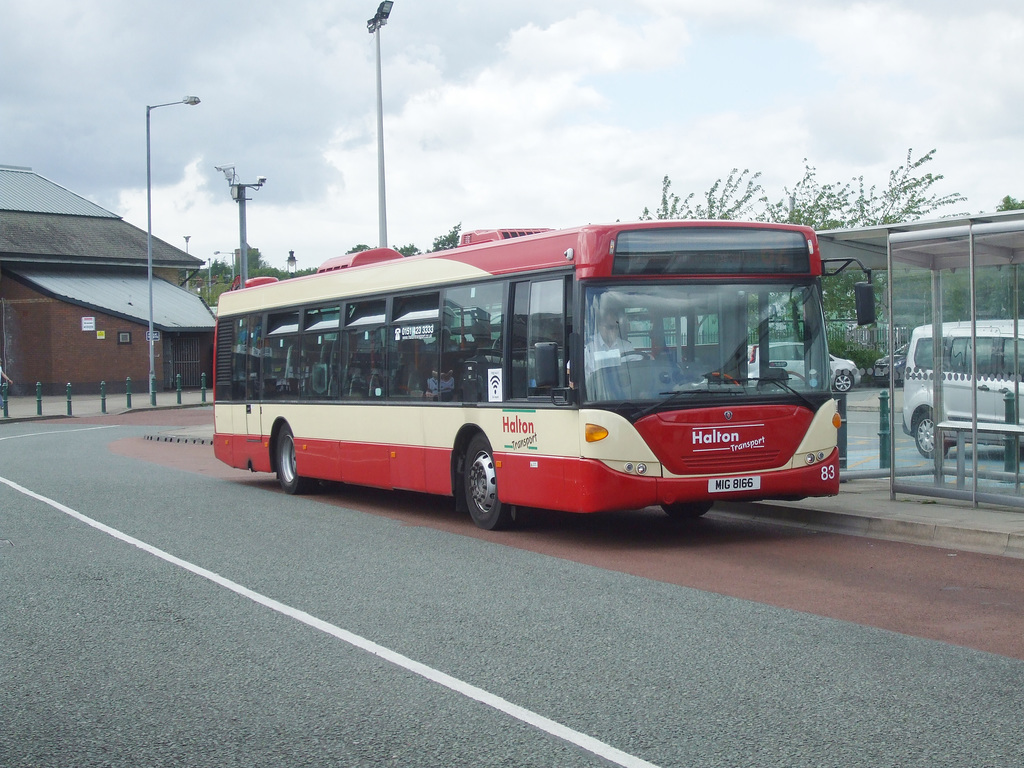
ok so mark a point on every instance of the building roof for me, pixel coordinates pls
(43, 223)
(122, 295)
(23, 190)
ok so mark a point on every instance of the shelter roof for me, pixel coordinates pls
(998, 238)
(122, 295)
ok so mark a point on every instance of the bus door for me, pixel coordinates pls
(253, 355)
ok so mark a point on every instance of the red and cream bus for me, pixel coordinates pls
(591, 369)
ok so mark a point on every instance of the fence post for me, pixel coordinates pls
(128, 391)
(177, 386)
(884, 456)
(1010, 453)
(69, 398)
(103, 397)
(3, 388)
(39, 398)
(202, 381)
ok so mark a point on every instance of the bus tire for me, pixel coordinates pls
(480, 484)
(687, 510)
(284, 461)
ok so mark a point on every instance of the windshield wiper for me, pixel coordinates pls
(782, 384)
(729, 386)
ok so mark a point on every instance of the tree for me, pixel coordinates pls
(358, 248)
(1010, 204)
(408, 250)
(907, 197)
(732, 199)
(449, 241)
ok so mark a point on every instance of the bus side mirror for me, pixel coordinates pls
(547, 364)
(864, 296)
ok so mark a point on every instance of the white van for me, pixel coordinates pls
(995, 377)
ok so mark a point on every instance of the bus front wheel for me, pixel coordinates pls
(480, 483)
(289, 479)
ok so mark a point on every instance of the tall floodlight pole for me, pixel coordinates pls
(373, 26)
(238, 195)
(190, 101)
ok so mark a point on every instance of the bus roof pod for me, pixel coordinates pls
(360, 259)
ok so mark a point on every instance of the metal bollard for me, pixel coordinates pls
(39, 398)
(1011, 456)
(3, 389)
(202, 381)
(884, 455)
(103, 397)
(152, 390)
(177, 386)
(69, 398)
(128, 391)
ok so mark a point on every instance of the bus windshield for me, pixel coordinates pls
(651, 342)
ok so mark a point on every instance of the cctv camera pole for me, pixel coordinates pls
(243, 247)
(238, 195)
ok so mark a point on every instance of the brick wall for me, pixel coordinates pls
(42, 340)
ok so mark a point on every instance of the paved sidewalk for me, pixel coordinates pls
(22, 408)
(862, 508)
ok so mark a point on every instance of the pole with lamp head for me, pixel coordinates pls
(190, 101)
(373, 27)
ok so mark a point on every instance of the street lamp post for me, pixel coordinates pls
(291, 263)
(373, 26)
(190, 101)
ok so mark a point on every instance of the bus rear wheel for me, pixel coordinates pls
(480, 484)
(289, 479)
(687, 510)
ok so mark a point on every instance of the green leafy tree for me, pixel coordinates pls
(449, 241)
(1010, 204)
(408, 250)
(734, 198)
(358, 248)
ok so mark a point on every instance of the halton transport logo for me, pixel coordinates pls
(728, 439)
(520, 432)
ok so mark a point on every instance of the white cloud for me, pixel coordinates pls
(523, 114)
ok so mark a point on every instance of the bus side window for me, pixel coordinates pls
(362, 361)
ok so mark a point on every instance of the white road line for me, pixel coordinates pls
(58, 432)
(540, 722)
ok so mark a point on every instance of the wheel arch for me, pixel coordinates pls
(458, 462)
(275, 431)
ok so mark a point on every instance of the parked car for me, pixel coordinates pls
(845, 375)
(899, 365)
(992, 381)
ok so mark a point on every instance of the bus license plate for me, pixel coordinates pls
(725, 484)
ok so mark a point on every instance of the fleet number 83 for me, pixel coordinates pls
(828, 472)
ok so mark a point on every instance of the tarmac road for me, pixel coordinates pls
(708, 645)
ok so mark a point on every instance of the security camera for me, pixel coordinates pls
(261, 180)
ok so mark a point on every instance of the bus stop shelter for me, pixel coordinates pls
(928, 275)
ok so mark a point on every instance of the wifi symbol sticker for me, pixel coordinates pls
(494, 388)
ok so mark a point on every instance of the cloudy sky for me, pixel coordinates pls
(526, 113)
